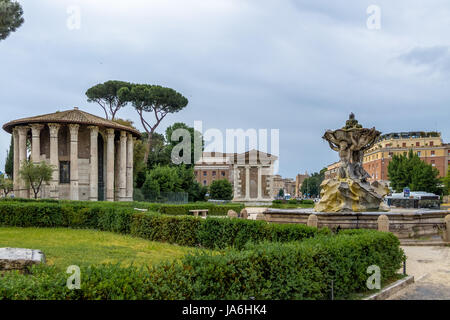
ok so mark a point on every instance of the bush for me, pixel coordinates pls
(174, 228)
(296, 270)
(221, 190)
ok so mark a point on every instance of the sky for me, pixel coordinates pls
(297, 66)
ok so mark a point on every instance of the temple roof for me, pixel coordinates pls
(74, 116)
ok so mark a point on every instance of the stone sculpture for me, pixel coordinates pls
(350, 190)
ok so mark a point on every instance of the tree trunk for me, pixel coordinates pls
(147, 151)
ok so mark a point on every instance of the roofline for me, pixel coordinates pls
(8, 127)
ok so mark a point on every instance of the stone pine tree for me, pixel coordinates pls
(9, 164)
(11, 17)
(106, 96)
(35, 175)
(152, 102)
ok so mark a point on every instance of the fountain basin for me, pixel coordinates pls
(404, 223)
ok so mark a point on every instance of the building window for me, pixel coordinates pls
(418, 153)
(432, 153)
(404, 144)
(431, 143)
(214, 173)
(417, 144)
(204, 182)
(204, 173)
(64, 172)
(195, 172)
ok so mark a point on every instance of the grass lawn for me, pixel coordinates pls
(64, 247)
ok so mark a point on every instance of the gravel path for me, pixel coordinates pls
(430, 267)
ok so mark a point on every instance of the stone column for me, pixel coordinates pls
(74, 189)
(313, 221)
(259, 183)
(247, 182)
(447, 228)
(23, 130)
(16, 177)
(383, 223)
(123, 167)
(110, 165)
(93, 172)
(130, 162)
(54, 160)
(36, 142)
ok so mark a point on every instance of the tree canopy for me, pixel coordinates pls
(35, 175)
(11, 17)
(409, 171)
(155, 100)
(221, 190)
(311, 186)
(107, 97)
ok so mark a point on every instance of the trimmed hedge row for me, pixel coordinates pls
(297, 270)
(216, 233)
(170, 209)
(182, 230)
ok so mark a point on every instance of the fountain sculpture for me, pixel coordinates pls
(350, 190)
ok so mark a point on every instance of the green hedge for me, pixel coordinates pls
(297, 270)
(183, 230)
(170, 209)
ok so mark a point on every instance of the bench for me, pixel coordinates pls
(203, 212)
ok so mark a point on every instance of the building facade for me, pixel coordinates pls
(298, 184)
(427, 145)
(250, 173)
(92, 157)
(288, 185)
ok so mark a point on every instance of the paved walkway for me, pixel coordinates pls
(430, 267)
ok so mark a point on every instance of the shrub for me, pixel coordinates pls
(268, 270)
(221, 190)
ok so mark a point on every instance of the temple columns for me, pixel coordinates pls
(16, 176)
(123, 166)
(93, 172)
(74, 177)
(259, 183)
(36, 143)
(247, 182)
(23, 131)
(129, 173)
(110, 165)
(54, 160)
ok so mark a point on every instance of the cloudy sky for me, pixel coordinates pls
(297, 66)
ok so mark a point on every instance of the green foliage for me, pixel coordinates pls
(155, 100)
(446, 183)
(6, 185)
(182, 229)
(195, 136)
(35, 175)
(311, 185)
(410, 171)
(221, 190)
(11, 17)
(281, 193)
(276, 271)
(9, 163)
(107, 97)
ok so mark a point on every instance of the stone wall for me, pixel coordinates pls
(403, 225)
